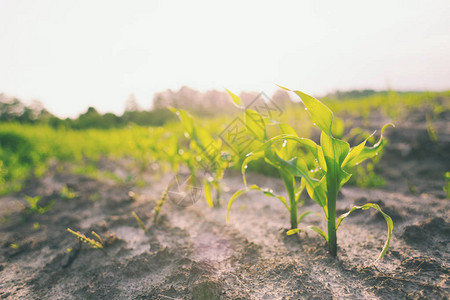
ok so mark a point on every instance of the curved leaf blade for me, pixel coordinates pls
(231, 201)
(386, 217)
(319, 231)
(267, 192)
(303, 215)
(368, 152)
(251, 157)
(295, 167)
(354, 152)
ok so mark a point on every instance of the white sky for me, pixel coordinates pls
(75, 54)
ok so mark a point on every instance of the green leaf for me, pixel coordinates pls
(203, 138)
(208, 195)
(367, 152)
(299, 189)
(266, 192)
(187, 121)
(236, 100)
(335, 151)
(303, 215)
(289, 146)
(287, 129)
(250, 157)
(386, 217)
(338, 128)
(255, 124)
(230, 203)
(319, 231)
(320, 114)
(354, 153)
(321, 159)
(293, 231)
(318, 192)
(309, 144)
(295, 166)
(269, 193)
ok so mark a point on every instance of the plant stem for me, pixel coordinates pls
(289, 183)
(293, 213)
(331, 205)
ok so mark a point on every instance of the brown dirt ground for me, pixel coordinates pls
(193, 254)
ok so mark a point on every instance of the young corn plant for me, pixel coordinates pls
(256, 128)
(334, 159)
(35, 208)
(204, 153)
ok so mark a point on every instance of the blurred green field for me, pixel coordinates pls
(26, 150)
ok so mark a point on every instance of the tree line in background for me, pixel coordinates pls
(210, 103)
(14, 110)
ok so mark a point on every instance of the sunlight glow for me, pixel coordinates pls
(75, 54)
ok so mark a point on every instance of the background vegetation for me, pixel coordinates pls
(31, 138)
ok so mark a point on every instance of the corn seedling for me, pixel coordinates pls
(139, 221)
(67, 193)
(33, 206)
(205, 153)
(256, 128)
(334, 159)
(96, 244)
